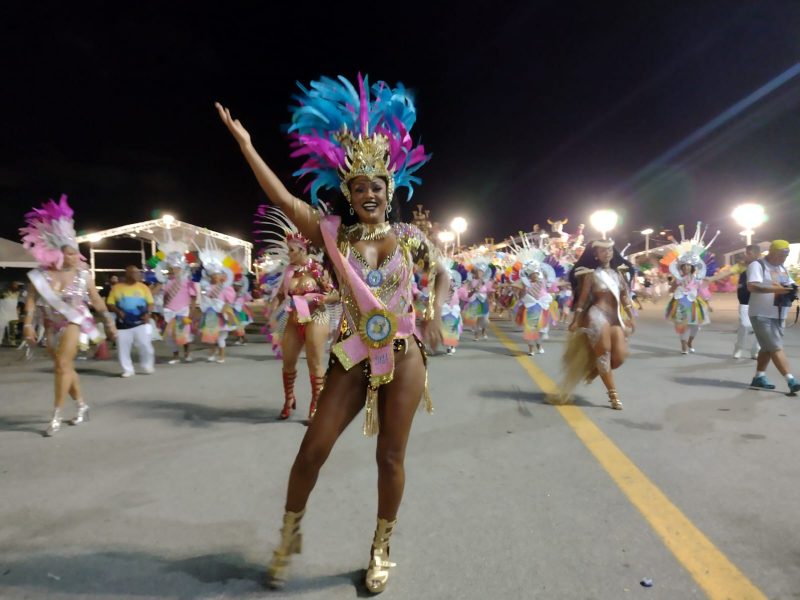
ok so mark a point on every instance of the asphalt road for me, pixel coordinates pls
(175, 487)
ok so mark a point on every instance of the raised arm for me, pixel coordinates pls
(301, 214)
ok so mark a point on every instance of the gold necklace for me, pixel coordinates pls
(369, 232)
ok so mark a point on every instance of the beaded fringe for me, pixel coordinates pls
(371, 420)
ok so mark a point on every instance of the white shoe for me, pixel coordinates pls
(188, 359)
(541, 350)
(212, 358)
(53, 428)
(174, 361)
(684, 352)
(531, 353)
(691, 350)
(220, 361)
(737, 354)
(127, 374)
(754, 356)
(148, 371)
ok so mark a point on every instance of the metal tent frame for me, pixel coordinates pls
(156, 230)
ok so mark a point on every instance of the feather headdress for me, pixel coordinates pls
(276, 232)
(174, 254)
(694, 252)
(534, 259)
(343, 133)
(49, 229)
(217, 261)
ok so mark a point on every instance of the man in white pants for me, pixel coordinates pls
(132, 302)
(745, 338)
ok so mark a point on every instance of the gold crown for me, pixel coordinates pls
(365, 156)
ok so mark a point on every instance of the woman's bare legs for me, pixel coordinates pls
(66, 379)
(396, 408)
(291, 345)
(610, 352)
(316, 337)
(339, 403)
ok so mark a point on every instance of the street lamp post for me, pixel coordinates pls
(604, 221)
(749, 216)
(647, 233)
(459, 226)
(446, 237)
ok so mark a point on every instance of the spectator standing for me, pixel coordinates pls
(771, 294)
(132, 303)
(745, 338)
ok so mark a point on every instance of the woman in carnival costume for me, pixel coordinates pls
(479, 288)
(603, 318)
(357, 140)
(244, 316)
(301, 318)
(179, 297)
(216, 300)
(689, 306)
(452, 324)
(536, 309)
(62, 290)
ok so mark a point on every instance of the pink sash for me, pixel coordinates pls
(300, 304)
(376, 332)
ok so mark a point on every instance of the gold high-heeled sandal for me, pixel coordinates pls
(291, 543)
(378, 572)
(613, 399)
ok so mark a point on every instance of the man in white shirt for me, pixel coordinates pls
(771, 291)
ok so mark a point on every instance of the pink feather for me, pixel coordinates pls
(363, 112)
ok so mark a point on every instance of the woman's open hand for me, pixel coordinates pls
(235, 126)
(432, 333)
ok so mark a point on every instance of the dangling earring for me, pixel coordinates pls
(388, 211)
(352, 212)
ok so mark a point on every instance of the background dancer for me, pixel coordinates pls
(216, 301)
(302, 318)
(479, 287)
(63, 290)
(603, 318)
(689, 308)
(452, 324)
(180, 296)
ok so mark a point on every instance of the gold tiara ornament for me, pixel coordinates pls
(365, 157)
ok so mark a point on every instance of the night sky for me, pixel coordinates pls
(531, 109)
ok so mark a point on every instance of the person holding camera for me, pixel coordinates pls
(772, 293)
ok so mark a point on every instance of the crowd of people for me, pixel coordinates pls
(374, 295)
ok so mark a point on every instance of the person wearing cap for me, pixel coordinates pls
(769, 283)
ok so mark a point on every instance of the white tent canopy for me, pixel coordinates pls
(14, 256)
(157, 230)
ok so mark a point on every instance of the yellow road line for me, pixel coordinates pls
(714, 573)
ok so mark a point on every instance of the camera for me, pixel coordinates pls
(786, 300)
